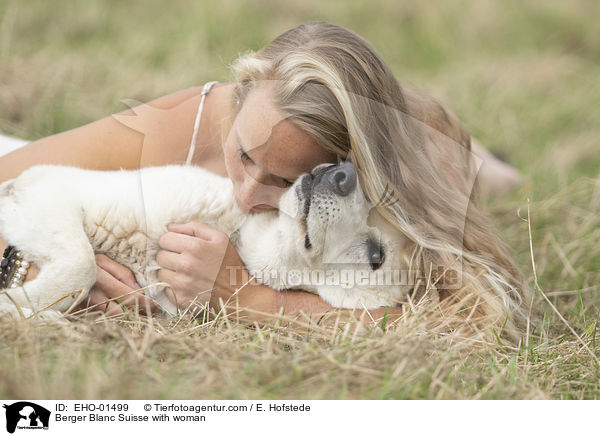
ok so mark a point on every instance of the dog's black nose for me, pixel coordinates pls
(341, 179)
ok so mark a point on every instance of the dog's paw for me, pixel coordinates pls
(47, 315)
(10, 310)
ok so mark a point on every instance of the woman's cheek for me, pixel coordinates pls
(232, 161)
(235, 169)
(236, 172)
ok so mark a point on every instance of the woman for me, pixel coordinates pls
(316, 93)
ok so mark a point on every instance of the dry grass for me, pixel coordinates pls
(522, 75)
(149, 358)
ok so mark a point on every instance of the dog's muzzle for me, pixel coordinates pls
(338, 179)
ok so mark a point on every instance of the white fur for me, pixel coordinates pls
(59, 217)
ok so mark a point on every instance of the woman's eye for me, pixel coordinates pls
(243, 155)
(375, 253)
(287, 183)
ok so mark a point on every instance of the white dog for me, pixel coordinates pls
(323, 239)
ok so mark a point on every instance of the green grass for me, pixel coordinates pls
(521, 75)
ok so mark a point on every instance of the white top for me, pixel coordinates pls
(8, 144)
(192, 149)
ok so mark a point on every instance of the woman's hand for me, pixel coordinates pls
(114, 281)
(196, 260)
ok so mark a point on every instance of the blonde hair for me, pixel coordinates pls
(332, 84)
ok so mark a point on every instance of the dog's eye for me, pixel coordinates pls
(375, 253)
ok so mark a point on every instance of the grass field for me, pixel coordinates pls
(522, 76)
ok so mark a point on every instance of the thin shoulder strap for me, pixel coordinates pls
(205, 91)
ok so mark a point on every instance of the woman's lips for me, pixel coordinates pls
(261, 208)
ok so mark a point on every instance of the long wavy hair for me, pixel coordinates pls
(412, 156)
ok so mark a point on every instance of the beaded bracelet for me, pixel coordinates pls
(13, 268)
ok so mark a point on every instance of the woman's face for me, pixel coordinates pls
(265, 153)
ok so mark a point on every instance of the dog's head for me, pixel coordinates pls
(327, 238)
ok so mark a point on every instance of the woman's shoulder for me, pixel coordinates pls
(186, 95)
(167, 125)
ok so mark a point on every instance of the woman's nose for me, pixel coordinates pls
(257, 196)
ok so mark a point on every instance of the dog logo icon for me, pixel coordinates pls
(26, 415)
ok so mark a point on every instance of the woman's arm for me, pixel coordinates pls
(257, 302)
(158, 133)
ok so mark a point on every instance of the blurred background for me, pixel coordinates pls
(521, 75)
